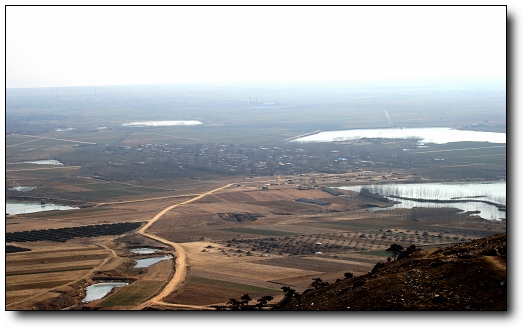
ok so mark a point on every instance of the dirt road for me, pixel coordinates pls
(180, 273)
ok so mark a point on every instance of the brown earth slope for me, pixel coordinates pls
(466, 276)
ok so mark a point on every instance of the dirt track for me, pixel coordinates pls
(180, 272)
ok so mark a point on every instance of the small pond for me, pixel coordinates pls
(22, 188)
(143, 250)
(142, 263)
(45, 162)
(98, 291)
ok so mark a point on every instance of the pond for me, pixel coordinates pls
(45, 162)
(142, 263)
(163, 123)
(143, 250)
(17, 208)
(22, 188)
(471, 193)
(98, 291)
(439, 135)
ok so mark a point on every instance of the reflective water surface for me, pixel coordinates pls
(471, 192)
(438, 135)
(142, 263)
(17, 208)
(143, 250)
(22, 188)
(98, 291)
(45, 162)
(163, 123)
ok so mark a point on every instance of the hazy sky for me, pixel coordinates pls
(91, 45)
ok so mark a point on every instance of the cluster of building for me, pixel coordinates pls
(235, 159)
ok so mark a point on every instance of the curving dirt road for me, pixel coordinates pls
(180, 272)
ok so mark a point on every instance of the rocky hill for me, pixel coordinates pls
(466, 276)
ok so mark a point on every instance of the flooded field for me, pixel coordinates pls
(471, 195)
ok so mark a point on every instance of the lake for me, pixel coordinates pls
(439, 135)
(487, 191)
(17, 208)
(163, 123)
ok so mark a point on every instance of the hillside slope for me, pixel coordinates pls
(466, 276)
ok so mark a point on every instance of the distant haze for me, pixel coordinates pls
(103, 45)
